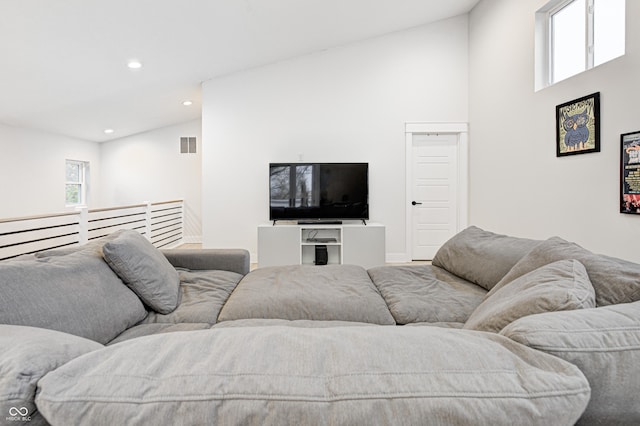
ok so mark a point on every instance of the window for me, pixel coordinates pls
(568, 41)
(573, 36)
(76, 183)
(609, 30)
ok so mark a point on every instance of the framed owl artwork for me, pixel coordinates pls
(578, 126)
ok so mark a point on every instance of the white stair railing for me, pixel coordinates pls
(161, 222)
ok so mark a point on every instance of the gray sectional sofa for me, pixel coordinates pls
(498, 330)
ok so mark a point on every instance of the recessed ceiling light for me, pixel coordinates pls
(134, 65)
(108, 131)
(187, 103)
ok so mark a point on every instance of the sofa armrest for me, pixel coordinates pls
(604, 343)
(234, 260)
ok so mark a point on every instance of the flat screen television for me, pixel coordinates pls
(321, 192)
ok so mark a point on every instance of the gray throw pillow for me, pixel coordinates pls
(145, 270)
(614, 280)
(469, 253)
(27, 354)
(559, 286)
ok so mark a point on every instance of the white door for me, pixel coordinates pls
(434, 201)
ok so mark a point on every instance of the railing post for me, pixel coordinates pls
(182, 222)
(147, 225)
(83, 223)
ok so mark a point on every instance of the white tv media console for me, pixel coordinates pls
(294, 244)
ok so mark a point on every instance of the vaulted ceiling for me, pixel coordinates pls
(64, 62)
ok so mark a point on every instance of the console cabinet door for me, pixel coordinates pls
(278, 245)
(363, 245)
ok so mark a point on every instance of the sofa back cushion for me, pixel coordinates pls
(144, 269)
(614, 280)
(605, 344)
(558, 286)
(336, 375)
(94, 246)
(77, 294)
(28, 353)
(480, 256)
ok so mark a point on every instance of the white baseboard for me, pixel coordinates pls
(397, 258)
(192, 239)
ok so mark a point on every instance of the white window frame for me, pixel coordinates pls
(544, 40)
(83, 181)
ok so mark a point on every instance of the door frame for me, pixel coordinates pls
(461, 131)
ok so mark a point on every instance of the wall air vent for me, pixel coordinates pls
(188, 145)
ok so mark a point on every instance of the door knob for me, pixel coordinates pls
(415, 203)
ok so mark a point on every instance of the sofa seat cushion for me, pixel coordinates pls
(558, 286)
(202, 295)
(144, 269)
(436, 324)
(254, 322)
(77, 294)
(614, 280)
(234, 260)
(338, 375)
(324, 293)
(26, 355)
(425, 293)
(604, 343)
(142, 330)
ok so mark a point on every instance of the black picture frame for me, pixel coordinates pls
(630, 173)
(578, 126)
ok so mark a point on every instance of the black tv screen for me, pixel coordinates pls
(318, 191)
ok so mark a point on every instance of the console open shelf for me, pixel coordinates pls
(320, 235)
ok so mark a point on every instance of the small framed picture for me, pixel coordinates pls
(630, 173)
(578, 126)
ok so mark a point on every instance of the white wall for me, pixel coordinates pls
(518, 185)
(344, 104)
(150, 167)
(32, 170)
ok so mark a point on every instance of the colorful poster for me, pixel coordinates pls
(630, 173)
